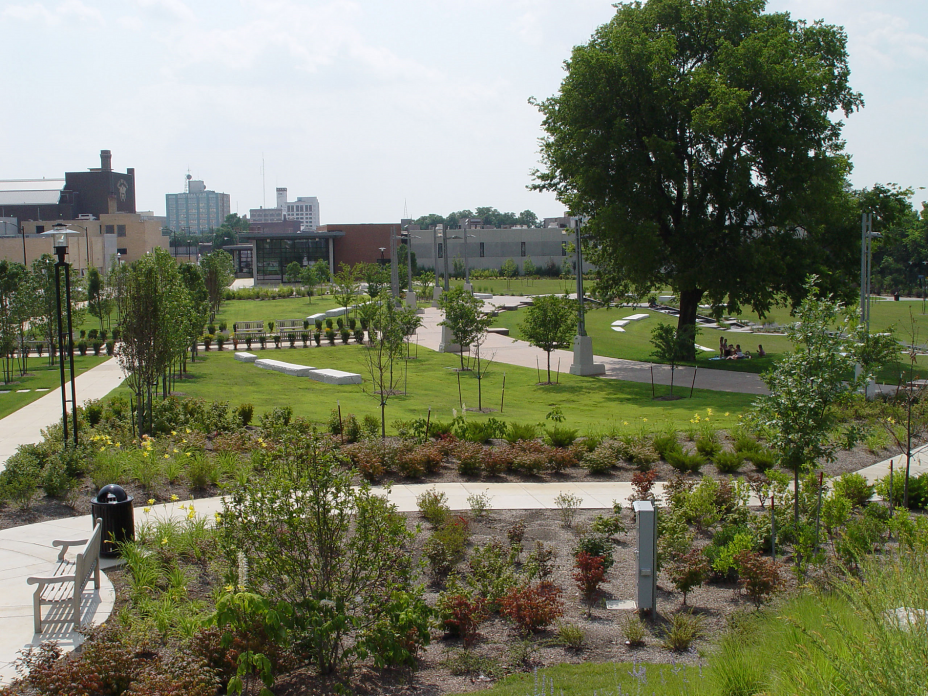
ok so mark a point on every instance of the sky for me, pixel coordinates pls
(381, 108)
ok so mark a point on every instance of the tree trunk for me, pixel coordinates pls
(549, 366)
(796, 497)
(686, 325)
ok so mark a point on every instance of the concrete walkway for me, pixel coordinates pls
(25, 425)
(514, 352)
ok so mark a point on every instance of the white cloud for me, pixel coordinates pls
(66, 11)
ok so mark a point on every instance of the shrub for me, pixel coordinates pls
(470, 457)
(688, 571)
(370, 457)
(918, 490)
(568, 504)
(480, 504)
(596, 545)
(540, 562)
(492, 572)
(200, 470)
(97, 346)
(533, 608)
(762, 460)
(686, 461)
(707, 444)
(461, 615)
(728, 462)
(446, 545)
(642, 483)
(220, 341)
(727, 543)
(345, 335)
(521, 431)
(433, 506)
(758, 576)
(415, 460)
(93, 412)
(602, 459)
(683, 629)
(609, 525)
(317, 337)
(589, 573)
(110, 347)
(402, 631)
(855, 488)
(665, 443)
(82, 347)
(639, 451)
(560, 436)
(20, 479)
(358, 336)
(571, 636)
(245, 413)
(633, 630)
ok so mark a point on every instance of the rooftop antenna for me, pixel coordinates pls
(187, 181)
(263, 184)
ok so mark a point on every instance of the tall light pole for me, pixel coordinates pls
(583, 345)
(467, 285)
(436, 288)
(410, 293)
(867, 235)
(447, 344)
(59, 234)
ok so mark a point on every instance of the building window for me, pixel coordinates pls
(441, 250)
(39, 229)
(482, 251)
(121, 252)
(563, 248)
(120, 230)
(523, 248)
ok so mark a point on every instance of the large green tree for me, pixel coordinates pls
(218, 271)
(696, 135)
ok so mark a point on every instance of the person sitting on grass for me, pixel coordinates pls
(761, 353)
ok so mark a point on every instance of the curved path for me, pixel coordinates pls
(27, 550)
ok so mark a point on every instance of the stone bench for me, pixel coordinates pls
(69, 578)
(246, 357)
(500, 330)
(335, 377)
(285, 368)
(483, 295)
(637, 317)
(337, 312)
(313, 317)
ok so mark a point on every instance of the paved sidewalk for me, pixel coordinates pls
(515, 352)
(25, 425)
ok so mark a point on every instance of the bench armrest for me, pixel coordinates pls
(65, 545)
(50, 580)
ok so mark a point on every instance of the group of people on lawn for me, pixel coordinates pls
(727, 352)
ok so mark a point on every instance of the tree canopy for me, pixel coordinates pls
(489, 216)
(696, 136)
(550, 324)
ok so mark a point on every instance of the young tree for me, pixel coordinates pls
(45, 317)
(198, 309)
(377, 276)
(671, 345)
(309, 280)
(463, 317)
(346, 284)
(805, 383)
(392, 325)
(550, 324)
(509, 270)
(11, 275)
(218, 271)
(338, 557)
(293, 272)
(698, 137)
(152, 335)
(322, 272)
(98, 303)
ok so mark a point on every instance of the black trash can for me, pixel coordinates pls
(114, 506)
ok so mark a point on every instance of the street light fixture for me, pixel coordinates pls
(467, 285)
(410, 293)
(59, 234)
(583, 345)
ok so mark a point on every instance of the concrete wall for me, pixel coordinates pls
(541, 246)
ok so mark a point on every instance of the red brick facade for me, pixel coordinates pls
(362, 242)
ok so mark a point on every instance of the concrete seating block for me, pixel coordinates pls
(666, 298)
(312, 317)
(335, 377)
(285, 368)
(246, 357)
(637, 317)
(483, 295)
(618, 328)
(336, 312)
(501, 330)
(620, 322)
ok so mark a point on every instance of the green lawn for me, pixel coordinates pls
(635, 343)
(273, 310)
(39, 376)
(432, 382)
(606, 678)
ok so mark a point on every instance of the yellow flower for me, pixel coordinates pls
(164, 541)
(176, 450)
(144, 454)
(147, 510)
(624, 422)
(190, 515)
(119, 444)
(708, 411)
(184, 441)
(173, 432)
(181, 507)
(151, 501)
(187, 430)
(174, 498)
(103, 449)
(726, 413)
(645, 420)
(188, 454)
(167, 456)
(217, 516)
(229, 588)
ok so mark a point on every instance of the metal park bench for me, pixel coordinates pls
(242, 329)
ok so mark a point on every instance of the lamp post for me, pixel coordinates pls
(410, 293)
(447, 344)
(59, 234)
(436, 288)
(867, 235)
(467, 285)
(583, 345)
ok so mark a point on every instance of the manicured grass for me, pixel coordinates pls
(605, 678)
(432, 382)
(40, 376)
(273, 310)
(635, 342)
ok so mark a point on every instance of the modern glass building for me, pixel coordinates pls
(274, 252)
(197, 211)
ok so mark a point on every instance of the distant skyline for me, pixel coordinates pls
(371, 106)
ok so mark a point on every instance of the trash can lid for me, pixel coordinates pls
(112, 493)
